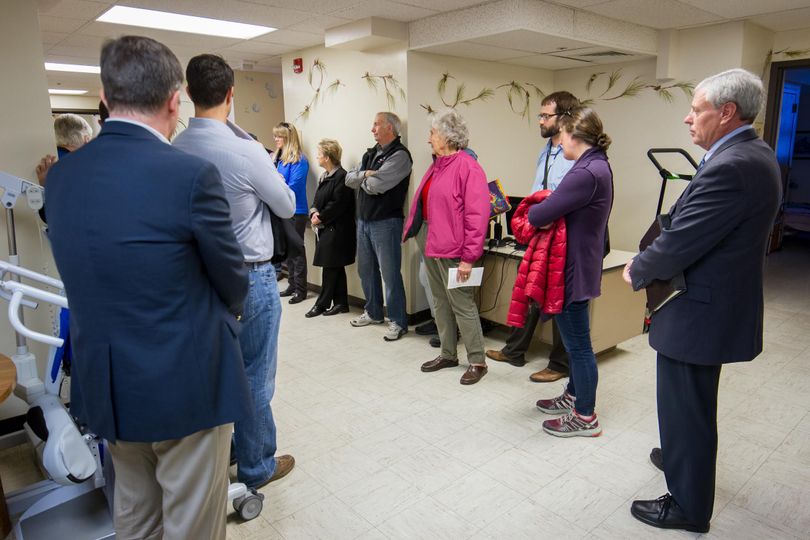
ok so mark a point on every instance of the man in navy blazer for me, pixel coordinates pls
(717, 239)
(142, 237)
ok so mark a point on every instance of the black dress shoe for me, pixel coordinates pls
(435, 342)
(289, 291)
(665, 513)
(337, 308)
(313, 312)
(297, 298)
(427, 329)
(657, 458)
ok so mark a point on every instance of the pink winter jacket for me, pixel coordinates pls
(458, 209)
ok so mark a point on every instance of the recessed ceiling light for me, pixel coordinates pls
(74, 68)
(162, 20)
(66, 92)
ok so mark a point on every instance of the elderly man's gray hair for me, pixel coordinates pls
(737, 86)
(392, 120)
(452, 127)
(71, 130)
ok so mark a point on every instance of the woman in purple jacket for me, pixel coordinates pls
(584, 198)
(454, 199)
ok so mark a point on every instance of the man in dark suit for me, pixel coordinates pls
(717, 239)
(155, 278)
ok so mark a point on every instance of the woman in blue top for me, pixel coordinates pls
(294, 167)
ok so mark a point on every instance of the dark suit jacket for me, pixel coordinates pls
(337, 239)
(142, 238)
(718, 238)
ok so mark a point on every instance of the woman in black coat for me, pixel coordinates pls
(332, 218)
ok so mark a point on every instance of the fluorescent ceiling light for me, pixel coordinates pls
(73, 68)
(66, 92)
(162, 20)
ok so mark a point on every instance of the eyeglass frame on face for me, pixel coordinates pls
(544, 117)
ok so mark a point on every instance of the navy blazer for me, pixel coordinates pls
(718, 238)
(142, 237)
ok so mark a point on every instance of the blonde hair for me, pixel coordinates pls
(291, 150)
(331, 150)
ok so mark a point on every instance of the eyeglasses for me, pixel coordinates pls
(543, 117)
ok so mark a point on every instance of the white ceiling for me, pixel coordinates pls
(71, 35)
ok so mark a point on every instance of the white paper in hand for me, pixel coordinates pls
(474, 280)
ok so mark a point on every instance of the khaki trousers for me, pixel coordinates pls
(455, 308)
(172, 490)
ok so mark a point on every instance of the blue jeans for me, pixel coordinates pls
(379, 253)
(255, 435)
(575, 331)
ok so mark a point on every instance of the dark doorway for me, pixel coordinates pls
(787, 130)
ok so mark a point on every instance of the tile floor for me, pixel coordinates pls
(384, 451)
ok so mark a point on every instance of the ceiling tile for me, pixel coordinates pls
(258, 47)
(48, 23)
(655, 13)
(319, 23)
(578, 3)
(734, 9)
(292, 38)
(385, 8)
(527, 40)
(446, 5)
(73, 9)
(52, 38)
(787, 20)
(319, 7)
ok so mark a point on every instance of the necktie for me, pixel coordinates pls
(700, 165)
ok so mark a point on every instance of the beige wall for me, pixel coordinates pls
(346, 115)
(26, 133)
(259, 103)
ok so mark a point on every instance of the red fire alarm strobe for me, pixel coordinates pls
(298, 65)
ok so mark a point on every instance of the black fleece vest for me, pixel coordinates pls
(389, 204)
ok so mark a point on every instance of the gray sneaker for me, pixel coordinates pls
(364, 320)
(394, 332)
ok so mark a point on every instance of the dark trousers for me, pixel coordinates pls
(687, 422)
(574, 323)
(297, 265)
(520, 338)
(333, 287)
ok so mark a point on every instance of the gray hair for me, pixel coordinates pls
(452, 127)
(392, 120)
(737, 86)
(71, 130)
(138, 74)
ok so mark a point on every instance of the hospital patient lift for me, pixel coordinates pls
(76, 499)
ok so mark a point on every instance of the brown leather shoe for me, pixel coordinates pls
(473, 374)
(438, 363)
(546, 375)
(284, 464)
(498, 356)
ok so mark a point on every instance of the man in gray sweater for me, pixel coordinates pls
(254, 188)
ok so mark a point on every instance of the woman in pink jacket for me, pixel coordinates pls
(449, 217)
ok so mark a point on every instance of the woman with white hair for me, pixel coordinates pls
(449, 217)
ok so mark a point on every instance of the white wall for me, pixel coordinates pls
(346, 115)
(26, 134)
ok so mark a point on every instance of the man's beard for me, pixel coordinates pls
(548, 132)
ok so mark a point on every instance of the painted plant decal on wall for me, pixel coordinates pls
(390, 85)
(519, 95)
(634, 88)
(786, 52)
(317, 72)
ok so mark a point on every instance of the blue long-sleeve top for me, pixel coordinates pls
(584, 199)
(295, 174)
